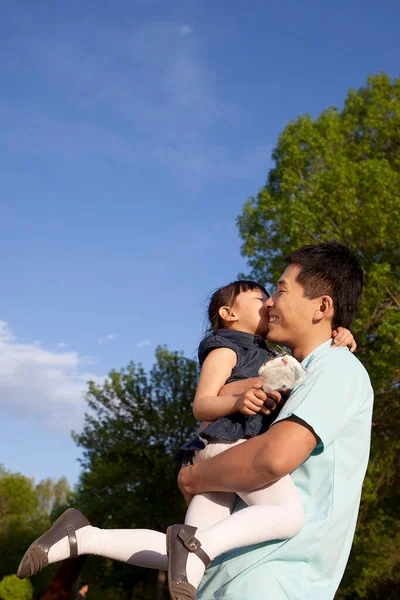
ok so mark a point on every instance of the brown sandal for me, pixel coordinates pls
(36, 557)
(181, 541)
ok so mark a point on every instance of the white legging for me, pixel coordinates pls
(274, 512)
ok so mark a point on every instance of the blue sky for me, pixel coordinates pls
(132, 133)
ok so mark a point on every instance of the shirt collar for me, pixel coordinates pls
(318, 350)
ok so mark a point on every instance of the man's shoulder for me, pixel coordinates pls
(333, 359)
(338, 369)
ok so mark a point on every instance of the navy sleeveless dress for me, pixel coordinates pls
(251, 351)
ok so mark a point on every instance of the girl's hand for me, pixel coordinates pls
(252, 401)
(238, 387)
(343, 337)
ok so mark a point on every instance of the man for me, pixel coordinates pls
(82, 591)
(321, 437)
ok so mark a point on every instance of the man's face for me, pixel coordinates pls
(290, 313)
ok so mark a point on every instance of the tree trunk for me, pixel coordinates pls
(65, 580)
(161, 579)
(128, 588)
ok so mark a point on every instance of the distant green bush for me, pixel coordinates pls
(12, 588)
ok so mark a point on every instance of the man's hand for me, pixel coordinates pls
(183, 477)
(255, 400)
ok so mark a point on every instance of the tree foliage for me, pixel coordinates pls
(26, 510)
(12, 588)
(337, 177)
(136, 423)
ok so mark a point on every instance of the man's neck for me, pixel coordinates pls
(304, 348)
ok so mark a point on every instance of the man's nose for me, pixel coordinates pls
(269, 303)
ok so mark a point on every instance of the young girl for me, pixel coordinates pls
(234, 350)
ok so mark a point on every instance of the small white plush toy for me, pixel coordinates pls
(284, 371)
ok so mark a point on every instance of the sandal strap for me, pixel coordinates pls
(73, 544)
(192, 544)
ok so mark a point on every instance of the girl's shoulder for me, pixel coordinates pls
(238, 341)
(222, 338)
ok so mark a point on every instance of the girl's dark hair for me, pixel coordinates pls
(226, 296)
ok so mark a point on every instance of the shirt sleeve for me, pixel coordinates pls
(329, 395)
(215, 341)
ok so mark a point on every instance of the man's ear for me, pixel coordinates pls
(227, 314)
(324, 308)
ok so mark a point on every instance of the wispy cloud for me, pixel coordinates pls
(155, 98)
(144, 343)
(62, 345)
(44, 386)
(109, 337)
(185, 30)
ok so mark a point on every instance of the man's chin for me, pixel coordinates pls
(275, 338)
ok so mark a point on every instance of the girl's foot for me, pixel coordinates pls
(36, 557)
(180, 543)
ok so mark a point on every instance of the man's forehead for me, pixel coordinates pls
(289, 275)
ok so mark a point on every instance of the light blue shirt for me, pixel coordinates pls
(335, 399)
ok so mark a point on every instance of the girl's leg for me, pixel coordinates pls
(140, 547)
(274, 512)
(207, 509)
(72, 535)
(204, 511)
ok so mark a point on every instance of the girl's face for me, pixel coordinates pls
(250, 312)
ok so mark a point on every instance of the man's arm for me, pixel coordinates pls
(257, 463)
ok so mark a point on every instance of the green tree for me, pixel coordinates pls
(52, 494)
(25, 512)
(12, 588)
(338, 177)
(18, 499)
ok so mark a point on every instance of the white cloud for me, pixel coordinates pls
(109, 337)
(144, 343)
(185, 30)
(42, 386)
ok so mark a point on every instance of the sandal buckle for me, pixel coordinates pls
(190, 542)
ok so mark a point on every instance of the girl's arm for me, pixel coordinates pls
(216, 369)
(344, 337)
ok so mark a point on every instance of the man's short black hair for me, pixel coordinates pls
(331, 269)
(83, 584)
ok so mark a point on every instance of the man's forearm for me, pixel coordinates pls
(238, 469)
(254, 464)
